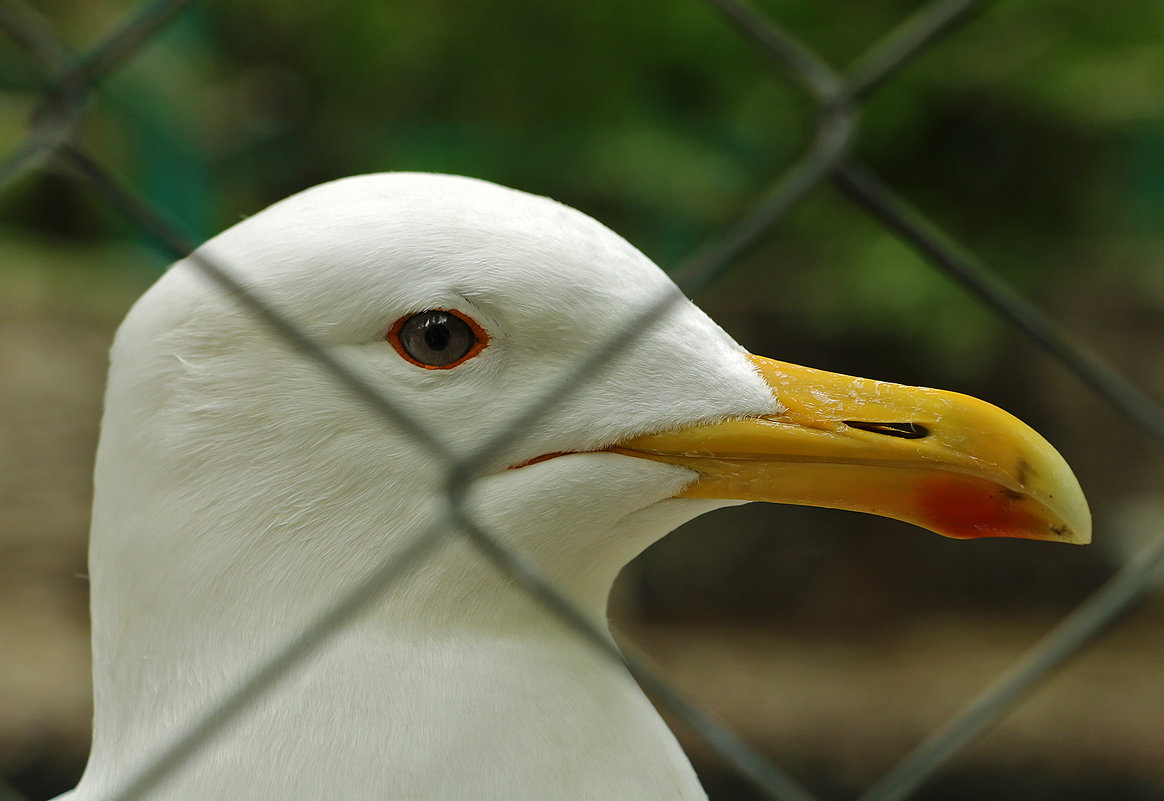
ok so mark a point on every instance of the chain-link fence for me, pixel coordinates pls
(67, 93)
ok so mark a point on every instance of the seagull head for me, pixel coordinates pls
(466, 304)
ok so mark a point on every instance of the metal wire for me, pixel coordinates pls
(1090, 620)
(829, 158)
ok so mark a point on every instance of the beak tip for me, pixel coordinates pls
(1072, 513)
(1075, 535)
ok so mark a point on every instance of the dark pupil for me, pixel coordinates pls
(437, 335)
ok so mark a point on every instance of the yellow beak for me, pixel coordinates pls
(950, 463)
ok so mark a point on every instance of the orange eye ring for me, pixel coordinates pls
(437, 339)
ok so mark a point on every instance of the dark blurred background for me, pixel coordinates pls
(1034, 135)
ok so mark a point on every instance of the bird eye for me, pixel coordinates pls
(437, 339)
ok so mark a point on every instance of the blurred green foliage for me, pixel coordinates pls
(1032, 134)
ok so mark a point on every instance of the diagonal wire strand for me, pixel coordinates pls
(33, 152)
(34, 34)
(834, 136)
(800, 62)
(906, 41)
(315, 636)
(1092, 618)
(894, 213)
(887, 57)
(520, 424)
(762, 772)
(179, 245)
(125, 41)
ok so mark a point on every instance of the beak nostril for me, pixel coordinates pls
(903, 430)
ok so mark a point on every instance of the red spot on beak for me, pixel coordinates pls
(968, 508)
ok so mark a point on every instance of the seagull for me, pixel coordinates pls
(239, 491)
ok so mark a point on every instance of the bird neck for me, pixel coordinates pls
(203, 570)
(453, 714)
(455, 672)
